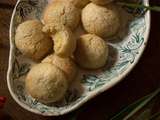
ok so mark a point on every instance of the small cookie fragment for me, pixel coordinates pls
(64, 43)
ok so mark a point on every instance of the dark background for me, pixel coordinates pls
(143, 79)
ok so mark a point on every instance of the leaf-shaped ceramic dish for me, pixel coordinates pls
(123, 56)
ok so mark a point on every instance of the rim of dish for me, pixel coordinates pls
(107, 86)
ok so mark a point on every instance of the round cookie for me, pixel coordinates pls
(31, 41)
(64, 43)
(77, 3)
(67, 65)
(59, 14)
(103, 21)
(46, 83)
(91, 52)
(101, 2)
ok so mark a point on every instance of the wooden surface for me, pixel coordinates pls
(142, 80)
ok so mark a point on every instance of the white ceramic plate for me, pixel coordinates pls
(123, 56)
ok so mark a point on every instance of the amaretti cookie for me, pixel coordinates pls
(77, 3)
(91, 52)
(64, 43)
(59, 14)
(65, 64)
(103, 21)
(46, 83)
(31, 41)
(101, 2)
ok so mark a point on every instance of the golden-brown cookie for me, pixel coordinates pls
(64, 43)
(91, 52)
(59, 14)
(46, 83)
(77, 3)
(65, 64)
(101, 2)
(31, 41)
(103, 21)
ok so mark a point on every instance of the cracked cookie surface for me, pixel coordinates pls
(103, 21)
(31, 41)
(65, 64)
(91, 52)
(46, 82)
(60, 14)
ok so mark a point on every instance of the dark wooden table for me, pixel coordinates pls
(142, 80)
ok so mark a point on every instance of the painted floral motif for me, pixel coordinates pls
(128, 50)
(92, 82)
